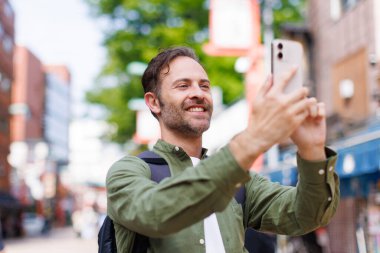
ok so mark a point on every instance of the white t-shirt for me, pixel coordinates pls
(213, 238)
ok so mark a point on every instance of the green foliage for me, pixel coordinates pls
(137, 30)
(287, 11)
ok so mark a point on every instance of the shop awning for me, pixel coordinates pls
(359, 158)
(357, 155)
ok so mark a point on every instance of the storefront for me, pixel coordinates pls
(357, 221)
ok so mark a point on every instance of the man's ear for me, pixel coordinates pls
(151, 100)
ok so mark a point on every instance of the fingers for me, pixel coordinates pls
(304, 105)
(284, 79)
(313, 111)
(300, 117)
(265, 87)
(298, 95)
(321, 110)
(318, 111)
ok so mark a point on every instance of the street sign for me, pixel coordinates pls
(234, 27)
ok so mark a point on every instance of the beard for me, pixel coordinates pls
(174, 118)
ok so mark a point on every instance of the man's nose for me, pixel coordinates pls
(196, 91)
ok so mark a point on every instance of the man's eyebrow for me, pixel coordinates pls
(205, 81)
(181, 80)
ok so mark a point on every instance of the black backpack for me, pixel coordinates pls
(159, 170)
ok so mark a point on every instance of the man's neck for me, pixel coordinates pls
(191, 145)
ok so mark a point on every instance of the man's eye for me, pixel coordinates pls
(205, 86)
(183, 85)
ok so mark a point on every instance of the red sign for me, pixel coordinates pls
(234, 27)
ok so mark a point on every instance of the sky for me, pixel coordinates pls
(62, 32)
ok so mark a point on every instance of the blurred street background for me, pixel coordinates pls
(60, 240)
(71, 104)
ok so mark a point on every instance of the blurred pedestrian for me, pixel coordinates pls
(194, 210)
(2, 245)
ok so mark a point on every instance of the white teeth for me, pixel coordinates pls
(196, 109)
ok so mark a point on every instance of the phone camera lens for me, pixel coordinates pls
(280, 46)
(279, 55)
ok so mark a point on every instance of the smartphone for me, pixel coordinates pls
(285, 55)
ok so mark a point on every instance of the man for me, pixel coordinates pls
(194, 210)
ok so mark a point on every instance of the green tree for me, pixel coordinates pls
(285, 11)
(137, 30)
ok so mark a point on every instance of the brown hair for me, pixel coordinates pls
(151, 77)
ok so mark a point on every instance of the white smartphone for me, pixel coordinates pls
(285, 55)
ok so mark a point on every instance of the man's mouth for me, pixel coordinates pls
(196, 109)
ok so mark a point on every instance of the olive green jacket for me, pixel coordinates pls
(171, 213)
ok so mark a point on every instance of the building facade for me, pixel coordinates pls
(56, 135)
(6, 76)
(346, 59)
(346, 38)
(343, 45)
(40, 120)
(57, 113)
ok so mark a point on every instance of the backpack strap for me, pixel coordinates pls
(159, 168)
(240, 195)
(106, 237)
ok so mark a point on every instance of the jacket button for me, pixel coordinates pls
(201, 241)
(176, 148)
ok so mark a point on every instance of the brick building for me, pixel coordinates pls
(6, 76)
(346, 38)
(346, 64)
(342, 45)
(39, 132)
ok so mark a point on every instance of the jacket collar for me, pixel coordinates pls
(165, 147)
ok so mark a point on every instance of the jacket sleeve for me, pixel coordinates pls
(295, 210)
(156, 210)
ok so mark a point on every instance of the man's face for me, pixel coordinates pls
(185, 97)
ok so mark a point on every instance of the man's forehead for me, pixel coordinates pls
(183, 65)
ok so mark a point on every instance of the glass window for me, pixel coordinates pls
(3, 125)
(348, 4)
(335, 9)
(8, 44)
(1, 30)
(8, 10)
(5, 84)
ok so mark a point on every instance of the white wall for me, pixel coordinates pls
(226, 125)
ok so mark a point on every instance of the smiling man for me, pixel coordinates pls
(194, 210)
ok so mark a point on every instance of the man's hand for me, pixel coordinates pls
(310, 136)
(275, 116)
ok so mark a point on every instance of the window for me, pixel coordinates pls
(8, 44)
(339, 6)
(8, 10)
(3, 125)
(348, 4)
(335, 9)
(1, 30)
(5, 84)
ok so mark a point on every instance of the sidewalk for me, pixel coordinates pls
(59, 240)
